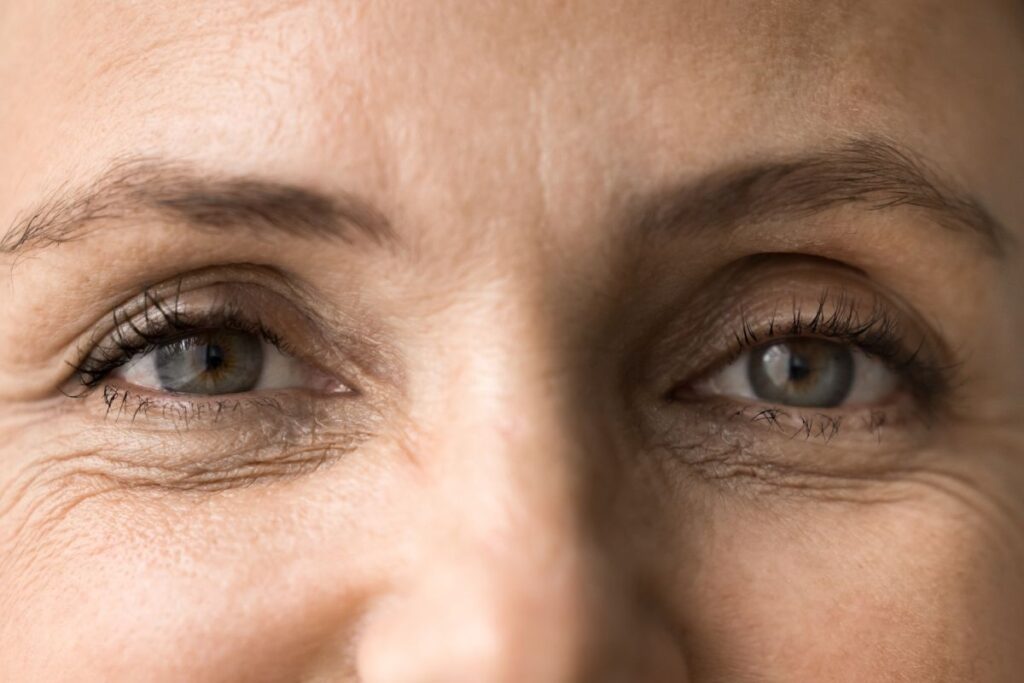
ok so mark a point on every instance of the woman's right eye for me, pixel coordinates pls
(221, 362)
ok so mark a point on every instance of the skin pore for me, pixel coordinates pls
(503, 256)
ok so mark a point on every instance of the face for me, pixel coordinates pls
(527, 341)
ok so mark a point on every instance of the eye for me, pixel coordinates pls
(220, 361)
(804, 372)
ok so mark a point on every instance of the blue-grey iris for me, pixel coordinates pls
(216, 362)
(802, 372)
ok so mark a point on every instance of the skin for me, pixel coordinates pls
(506, 499)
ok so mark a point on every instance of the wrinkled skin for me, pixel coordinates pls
(509, 496)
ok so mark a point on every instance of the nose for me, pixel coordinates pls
(511, 578)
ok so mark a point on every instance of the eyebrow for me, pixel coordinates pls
(179, 192)
(871, 172)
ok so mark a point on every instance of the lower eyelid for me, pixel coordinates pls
(270, 419)
(783, 447)
(223, 443)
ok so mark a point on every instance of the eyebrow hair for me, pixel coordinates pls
(178, 191)
(872, 172)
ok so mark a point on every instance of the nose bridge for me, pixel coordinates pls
(515, 477)
(518, 464)
(513, 440)
(505, 581)
(511, 578)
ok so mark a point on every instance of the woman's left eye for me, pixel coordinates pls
(804, 372)
(217, 362)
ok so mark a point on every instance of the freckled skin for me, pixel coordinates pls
(508, 498)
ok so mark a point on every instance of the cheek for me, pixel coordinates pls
(247, 585)
(855, 591)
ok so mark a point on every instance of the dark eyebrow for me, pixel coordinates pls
(874, 173)
(178, 191)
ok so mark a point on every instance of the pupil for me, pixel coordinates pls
(799, 368)
(214, 357)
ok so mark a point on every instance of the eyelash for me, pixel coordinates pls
(838, 317)
(161, 326)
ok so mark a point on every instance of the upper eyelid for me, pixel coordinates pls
(923, 375)
(157, 315)
(877, 333)
(348, 342)
(115, 352)
(765, 302)
(168, 293)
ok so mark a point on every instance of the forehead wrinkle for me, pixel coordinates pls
(787, 41)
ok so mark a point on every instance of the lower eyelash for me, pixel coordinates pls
(281, 447)
(796, 424)
(123, 403)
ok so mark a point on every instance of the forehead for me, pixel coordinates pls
(451, 101)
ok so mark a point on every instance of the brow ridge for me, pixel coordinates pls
(178, 191)
(873, 172)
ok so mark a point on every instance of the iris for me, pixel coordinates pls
(802, 372)
(216, 362)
